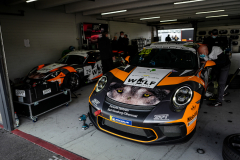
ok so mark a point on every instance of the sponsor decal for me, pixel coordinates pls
(119, 120)
(20, 93)
(146, 77)
(121, 111)
(193, 108)
(50, 67)
(95, 102)
(46, 91)
(163, 117)
(191, 122)
(191, 118)
(94, 71)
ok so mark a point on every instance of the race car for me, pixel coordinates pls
(71, 71)
(155, 99)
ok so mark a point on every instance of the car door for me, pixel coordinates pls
(93, 67)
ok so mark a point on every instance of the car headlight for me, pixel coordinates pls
(101, 83)
(182, 97)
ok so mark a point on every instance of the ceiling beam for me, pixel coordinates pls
(90, 5)
(53, 3)
(169, 7)
(196, 16)
(14, 2)
(129, 6)
(191, 11)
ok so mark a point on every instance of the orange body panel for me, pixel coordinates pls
(120, 74)
(59, 78)
(40, 66)
(70, 69)
(98, 76)
(176, 80)
(190, 113)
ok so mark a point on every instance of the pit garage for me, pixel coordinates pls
(52, 84)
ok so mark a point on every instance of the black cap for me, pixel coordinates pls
(215, 32)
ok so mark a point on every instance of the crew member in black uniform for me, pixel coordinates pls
(221, 68)
(107, 56)
(215, 40)
(121, 41)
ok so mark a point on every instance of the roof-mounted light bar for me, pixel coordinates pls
(216, 16)
(210, 11)
(171, 20)
(149, 18)
(114, 12)
(28, 1)
(188, 1)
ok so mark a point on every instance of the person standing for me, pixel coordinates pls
(121, 41)
(106, 54)
(221, 68)
(215, 40)
(168, 39)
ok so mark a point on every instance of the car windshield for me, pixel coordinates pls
(166, 58)
(71, 59)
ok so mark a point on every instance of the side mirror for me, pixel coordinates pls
(209, 64)
(127, 59)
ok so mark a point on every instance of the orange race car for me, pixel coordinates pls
(154, 99)
(71, 71)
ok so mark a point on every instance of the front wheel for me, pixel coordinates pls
(72, 81)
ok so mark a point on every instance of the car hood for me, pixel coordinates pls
(144, 86)
(50, 67)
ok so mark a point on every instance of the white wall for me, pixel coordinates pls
(49, 31)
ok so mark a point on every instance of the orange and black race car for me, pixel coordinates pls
(155, 99)
(71, 71)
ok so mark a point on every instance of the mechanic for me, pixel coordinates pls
(221, 68)
(168, 39)
(70, 49)
(121, 41)
(215, 40)
(114, 43)
(106, 54)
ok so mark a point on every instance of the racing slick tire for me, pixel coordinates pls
(72, 81)
(231, 147)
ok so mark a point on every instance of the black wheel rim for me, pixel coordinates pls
(73, 81)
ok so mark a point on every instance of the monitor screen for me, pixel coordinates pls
(185, 34)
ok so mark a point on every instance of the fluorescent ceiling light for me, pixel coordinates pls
(216, 16)
(169, 20)
(30, 1)
(188, 1)
(210, 11)
(149, 18)
(114, 12)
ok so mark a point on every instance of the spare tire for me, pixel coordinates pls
(231, 147)
(235, 84)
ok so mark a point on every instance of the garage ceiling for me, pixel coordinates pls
(136, 9)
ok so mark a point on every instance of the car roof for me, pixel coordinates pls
(83, 53)
(174, 45)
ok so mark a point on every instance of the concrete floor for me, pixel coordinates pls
(62, 128)
(17, 148)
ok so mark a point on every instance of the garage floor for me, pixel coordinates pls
(62, 128)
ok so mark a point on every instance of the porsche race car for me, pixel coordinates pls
(71, 71)
(155, 99)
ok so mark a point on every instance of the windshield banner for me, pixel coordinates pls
(146, 77)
